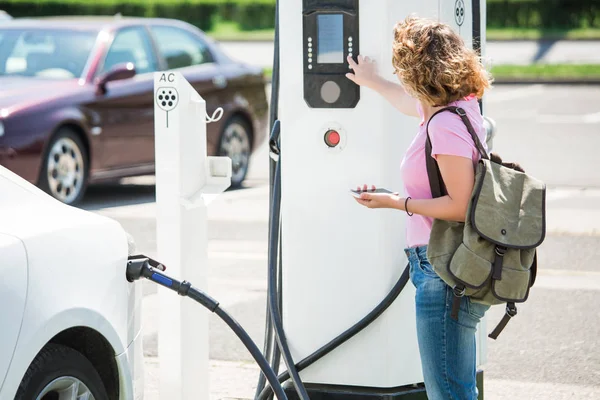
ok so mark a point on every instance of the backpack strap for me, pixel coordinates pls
(511, 311)
(438, 189)
(436, 183)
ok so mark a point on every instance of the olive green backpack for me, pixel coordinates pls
(491, 257)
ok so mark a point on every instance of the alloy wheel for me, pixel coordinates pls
(65, 170)
(235, 144)
(66, 388)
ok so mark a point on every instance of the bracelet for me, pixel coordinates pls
(406, 207)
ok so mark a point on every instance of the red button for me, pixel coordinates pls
(332, 138)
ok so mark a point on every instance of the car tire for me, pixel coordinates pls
(236, 143)
(65, 167)
(59, 368)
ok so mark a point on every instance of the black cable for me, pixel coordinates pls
(140, 267)
(271, 351)
(273, 295)
(349, 333)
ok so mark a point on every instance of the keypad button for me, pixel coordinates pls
(310, 39)
(350, 38)
(310, 67)
(310, 60)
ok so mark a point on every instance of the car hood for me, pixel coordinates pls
(19, 91)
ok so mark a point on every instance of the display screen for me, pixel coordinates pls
(330, 48)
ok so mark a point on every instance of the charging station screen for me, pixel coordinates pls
(330, 48)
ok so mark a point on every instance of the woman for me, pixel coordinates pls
(435, 69)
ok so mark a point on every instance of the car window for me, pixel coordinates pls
(180, 48)
(130, 45)
(45, 53)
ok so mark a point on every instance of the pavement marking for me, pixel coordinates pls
(232, 255)
(568, 272)
(514, 94)
(568, 282)
(593, 118)
(573, 221)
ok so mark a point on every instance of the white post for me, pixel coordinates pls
(184, 175)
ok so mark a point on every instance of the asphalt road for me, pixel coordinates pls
(549, 351)
(501, 52)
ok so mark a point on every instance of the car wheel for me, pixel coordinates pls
(235, 144)
(61, 373)
(65, 167)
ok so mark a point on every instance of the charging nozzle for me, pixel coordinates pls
(140, 266)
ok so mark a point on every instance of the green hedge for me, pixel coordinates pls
(543, 14)
(248, 14)
(260, 14)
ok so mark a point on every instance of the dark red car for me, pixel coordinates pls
(72, 114)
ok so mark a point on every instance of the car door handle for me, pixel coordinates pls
(220, 81)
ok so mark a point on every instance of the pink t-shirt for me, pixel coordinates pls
(449, 136)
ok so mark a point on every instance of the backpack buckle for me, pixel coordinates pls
(459, 291)
(461, 112)
(501, 251)
(511, 310)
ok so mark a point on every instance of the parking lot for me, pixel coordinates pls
(550, 349)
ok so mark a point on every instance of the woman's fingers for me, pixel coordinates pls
(351, 62)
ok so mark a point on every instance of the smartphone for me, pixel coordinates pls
(356, 193)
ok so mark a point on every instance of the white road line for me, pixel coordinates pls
(593, 118)
(231, 255)
(568, 282)
(528, 91)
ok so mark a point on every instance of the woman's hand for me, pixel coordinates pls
(365, 72)
(378, 200)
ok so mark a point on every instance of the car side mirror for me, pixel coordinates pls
(116, 73)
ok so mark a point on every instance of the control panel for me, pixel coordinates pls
(330, 36)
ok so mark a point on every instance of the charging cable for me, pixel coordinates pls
(144, 267)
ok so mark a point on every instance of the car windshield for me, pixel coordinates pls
(45, 53)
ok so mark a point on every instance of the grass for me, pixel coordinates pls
(543, 71)
(231, 31)
(536, 34)
(536, 71)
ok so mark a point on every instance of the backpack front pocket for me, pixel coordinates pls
(469, 269)
(514, 285)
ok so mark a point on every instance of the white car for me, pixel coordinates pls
(70, 325)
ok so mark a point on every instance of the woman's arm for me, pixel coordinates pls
(458, 175)
(365, 74)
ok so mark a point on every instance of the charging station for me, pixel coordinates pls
(341, 312)
(339, 260)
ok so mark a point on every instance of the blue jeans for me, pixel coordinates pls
(446, 346)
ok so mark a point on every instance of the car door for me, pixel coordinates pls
(13, 293)
(186, 52)
(127, 108)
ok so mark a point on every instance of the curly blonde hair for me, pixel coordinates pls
(434, 64)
